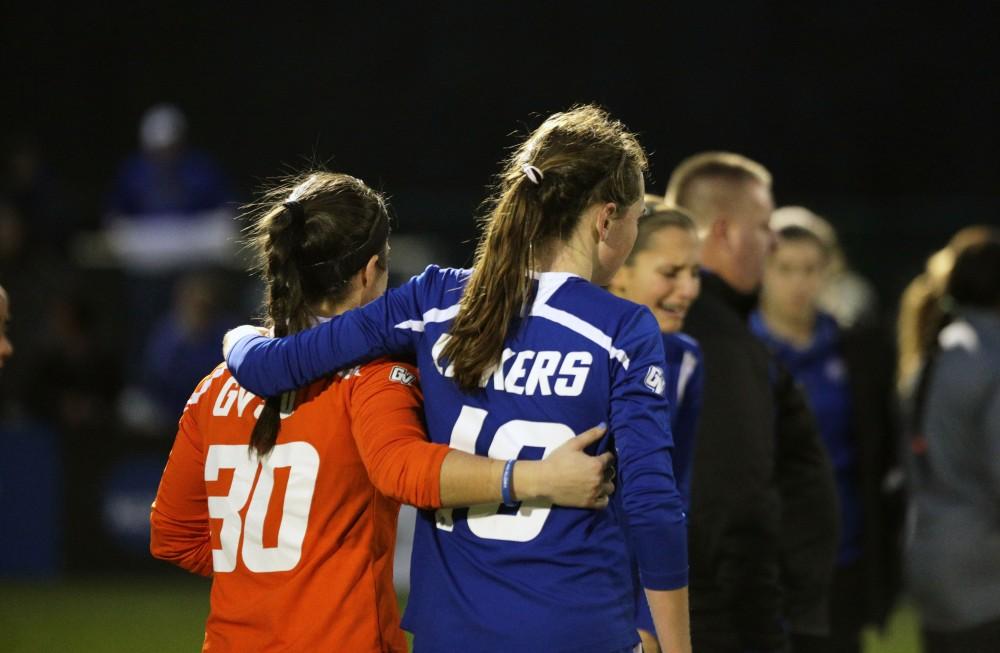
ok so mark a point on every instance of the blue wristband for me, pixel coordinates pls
(507, 484)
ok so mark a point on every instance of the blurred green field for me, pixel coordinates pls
(167, 615)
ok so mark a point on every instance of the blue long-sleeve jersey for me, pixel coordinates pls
(683, 372)
(539, 577)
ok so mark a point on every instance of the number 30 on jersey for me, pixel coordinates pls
(302, 459)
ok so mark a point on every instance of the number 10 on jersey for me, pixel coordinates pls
(508, 442)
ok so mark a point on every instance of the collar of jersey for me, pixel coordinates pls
(554, 275)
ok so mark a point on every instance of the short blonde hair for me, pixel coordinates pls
(725, 166)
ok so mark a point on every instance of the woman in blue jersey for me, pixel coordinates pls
(516, 355)
(662, 273)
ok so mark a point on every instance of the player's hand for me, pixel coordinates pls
(235, 335)
(570, 477)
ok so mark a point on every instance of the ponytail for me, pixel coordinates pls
(499, 289)
(572, 161)
(285, 302)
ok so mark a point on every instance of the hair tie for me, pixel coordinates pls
(295, 212)
(532, 173)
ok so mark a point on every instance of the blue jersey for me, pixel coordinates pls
(536, 577)
(684, 372)
(684, 375)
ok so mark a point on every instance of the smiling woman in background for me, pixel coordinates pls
(663, 273)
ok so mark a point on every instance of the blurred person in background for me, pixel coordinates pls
(920, 310)
(181, 346)
(167, 179)
(662, 273)
(845, 294)
(170, 212)
(318, 574)
(953, 462)
(848, 379)
(763, 507)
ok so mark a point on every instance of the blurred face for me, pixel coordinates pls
(621, 231)
(6, 347)
(793, 279)
(664, 276)
(749, 236)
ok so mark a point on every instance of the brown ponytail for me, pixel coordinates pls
(572, 161)
(312, 235)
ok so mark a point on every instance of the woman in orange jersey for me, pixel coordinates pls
(290, 504)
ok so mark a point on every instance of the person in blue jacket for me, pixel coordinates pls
(663, 273)
(516, 356)
(847, 378)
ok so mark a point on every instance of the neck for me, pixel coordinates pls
(718, 263)
(572, 256)
(328, 308)
(796, 329)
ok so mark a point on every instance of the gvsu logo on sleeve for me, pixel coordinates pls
(655, 381)
(401, 375)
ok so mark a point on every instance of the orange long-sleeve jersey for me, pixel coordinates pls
(299, 543)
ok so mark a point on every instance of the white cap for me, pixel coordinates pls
(162, 125)
(799, 216)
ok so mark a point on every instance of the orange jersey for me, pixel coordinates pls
(299, 543)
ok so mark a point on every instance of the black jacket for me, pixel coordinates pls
(870, 360)
(753, 554)
(809, 510)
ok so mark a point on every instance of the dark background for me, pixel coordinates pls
(881, 117)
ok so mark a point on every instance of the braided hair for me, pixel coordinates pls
(311, 235)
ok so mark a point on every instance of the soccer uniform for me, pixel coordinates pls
(535, 577)
(683, 374)
(300, 543)
(685, 382)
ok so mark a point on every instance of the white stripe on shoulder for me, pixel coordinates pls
(433, 315)
(548, 283)
(688, 364)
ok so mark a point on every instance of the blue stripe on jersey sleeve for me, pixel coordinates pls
(390, 324)
(640, 426)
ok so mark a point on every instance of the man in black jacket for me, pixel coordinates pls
(762, 534)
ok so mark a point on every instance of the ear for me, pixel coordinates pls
(605, 213)
(370, 273)
(719, 230)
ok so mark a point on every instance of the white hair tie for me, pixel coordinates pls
(532, 173)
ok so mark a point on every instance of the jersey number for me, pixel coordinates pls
(302, 459)
(510, 439)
